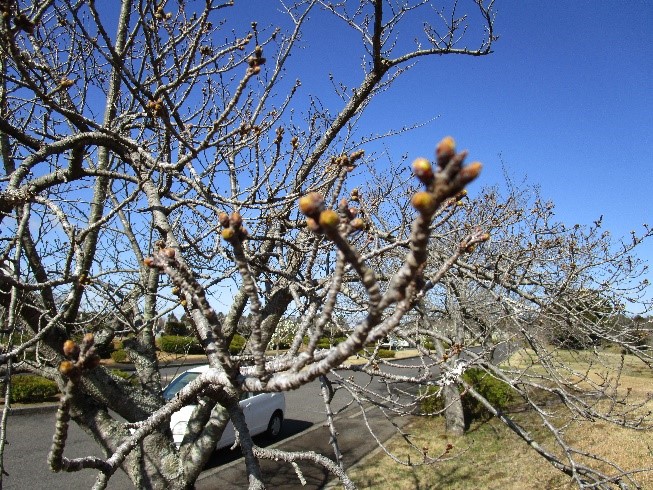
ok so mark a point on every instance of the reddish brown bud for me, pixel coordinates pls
(88, 339)
(424, 202)
(149, 262)
(445, 150)
(70, 349)
(223, 218)
(423, 170)
(311, 204)
(357, 224)
(313, 225)
(168, 252)
(470, 172)
(329, 219)
(236, 219)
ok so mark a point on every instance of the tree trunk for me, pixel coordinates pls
(454, 416)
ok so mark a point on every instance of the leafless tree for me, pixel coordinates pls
(165, 157)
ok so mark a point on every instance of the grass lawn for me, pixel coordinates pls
(490, 456)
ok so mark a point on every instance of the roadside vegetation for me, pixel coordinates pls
(490, 456)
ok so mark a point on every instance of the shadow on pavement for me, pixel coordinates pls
(225, 456)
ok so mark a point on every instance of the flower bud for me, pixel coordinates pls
(470, 172)
(149, 262)
(329, 219)
(311, 204)
(88, 339)
(223, 218)
(168, 252)
(445, 149)
(423, 170)
(357, 224)
(70, 349)
(424, 202)
(313, 225)
(228, 234)
(67, 368)
(236, 219)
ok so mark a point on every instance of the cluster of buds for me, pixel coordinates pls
(156, 107)
(318, 219)
(206, 50)
(160, 14)
(469, 244)
(279, 135)
(244, 130)
(449, 180)
(66, 83)
(233, 226)
(241, 43)
(80, 357)
(354, 195)
(351, 216)
(256, 60)
(347, 161)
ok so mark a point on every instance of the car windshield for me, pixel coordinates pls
(178, 383)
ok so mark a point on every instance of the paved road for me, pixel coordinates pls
(29, 439)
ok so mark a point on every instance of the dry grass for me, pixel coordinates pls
(490, 456)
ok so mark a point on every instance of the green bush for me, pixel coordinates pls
(386, 353)
(495, 391)
(237, 344)
(31, 389)
(175, 344)
(120, 355)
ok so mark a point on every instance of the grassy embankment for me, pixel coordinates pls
(490, 456)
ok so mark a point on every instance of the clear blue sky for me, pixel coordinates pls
(566, 99)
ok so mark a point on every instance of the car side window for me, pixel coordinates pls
(178, 384)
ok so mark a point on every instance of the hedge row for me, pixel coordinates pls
(176, 344)
(27, 388)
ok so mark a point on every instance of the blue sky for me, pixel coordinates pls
(566, 99)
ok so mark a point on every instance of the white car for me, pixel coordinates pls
(263, 411)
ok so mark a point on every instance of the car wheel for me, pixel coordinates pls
(274, 427)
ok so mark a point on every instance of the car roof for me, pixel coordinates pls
(198, 369)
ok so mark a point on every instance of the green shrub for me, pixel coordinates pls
(498, 393)
(176, 328)
(175, 344)
(120, 355)
(237, 344)
(32, 389)
(386, 353)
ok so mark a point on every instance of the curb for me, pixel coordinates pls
(30, 409)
